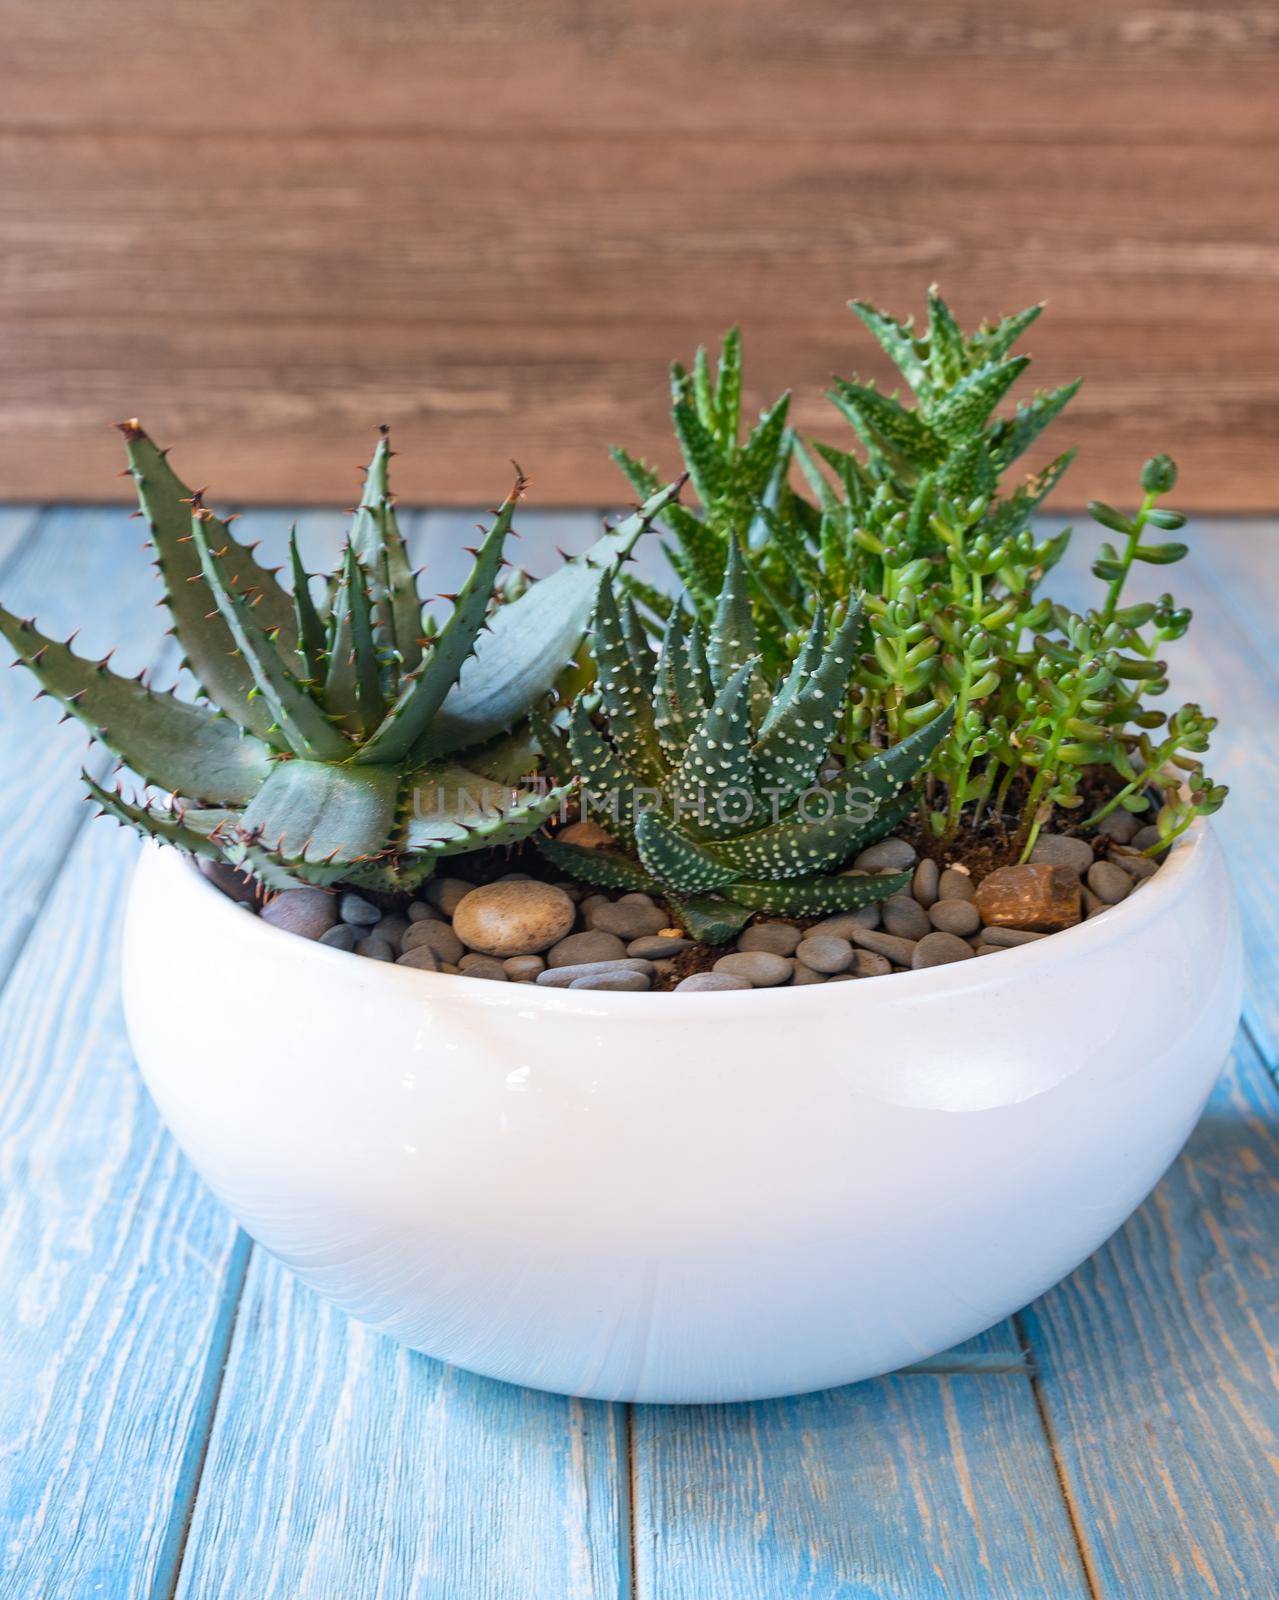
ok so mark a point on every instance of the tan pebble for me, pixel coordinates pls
(513, 919)
(586, 835)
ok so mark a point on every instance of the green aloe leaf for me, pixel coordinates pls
(732, 638)
(880, 776)
(626, 692)
(728, 387)
(718, 758)
(208, 647)
(790, 849)
(897, 340)
(818, 896)
(607, 868)
(163, 823)
(790, 755)
(676, 860)
(710, 919)
(167, 742)
(604, 775)
(353, 686)
(296, 720)
(409, 721)
(453, 809)
(320, 813)
(530, 641)
(971, 401)
(311, 635)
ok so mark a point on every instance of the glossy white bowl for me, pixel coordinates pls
(684, 1197)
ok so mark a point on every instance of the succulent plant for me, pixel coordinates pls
(713, 777)
(926, 519)
(345, 737)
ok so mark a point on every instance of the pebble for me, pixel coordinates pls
(707, 982)
(392, 929)
(620, 981)
(1136, 866)
(1109, 882)
(823, 952)
(376, 949)
(658, 946)
(804, 975)
(476, 966)
(1038, 896)
(904, 917)
(1093, 904)
(586, 835)
(446, 894)
(629, 919)
(777, 938)
(232, 882)
(354, 908)
(341, 936)
(563, 977)
(885, 944)
(307, 912)
(1145, 837)
(842, 926)
(523, 969)
(937, 949)
(437, 936)
(866, 964)
(1120, 826)
(422, 957)
(516, 918)
(1006, 938)
(761, 968)
(419, 911)
(955, 885)
(955, 916)
(893, 854)
(595, 945)
(588, 903)
(1059, 850)
(924, 884)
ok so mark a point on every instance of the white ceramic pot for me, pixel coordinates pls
(684, 1197)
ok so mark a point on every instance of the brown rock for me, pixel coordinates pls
(513, 919)
(1038, 896)
(586, 835)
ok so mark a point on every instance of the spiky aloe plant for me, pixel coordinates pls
(345, 738)
(713, 777)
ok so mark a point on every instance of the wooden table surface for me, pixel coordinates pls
(177, 1416)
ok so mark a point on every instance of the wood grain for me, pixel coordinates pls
(111, 597)
(1159, 1367)
(342, 1464)
(117, 1271)
(910, 1486)
(494, 225)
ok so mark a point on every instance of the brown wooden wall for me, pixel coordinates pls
(266, 228)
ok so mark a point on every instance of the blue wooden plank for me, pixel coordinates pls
(118, 1272)
(75, 569)
(911, 1487)
(1158, 1368)
(124, 1272)
(344, 1465)
(16, 526)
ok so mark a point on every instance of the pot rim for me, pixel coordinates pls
(1190, 858)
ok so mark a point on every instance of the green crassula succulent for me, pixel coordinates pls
(714, 780)
(343, 738)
